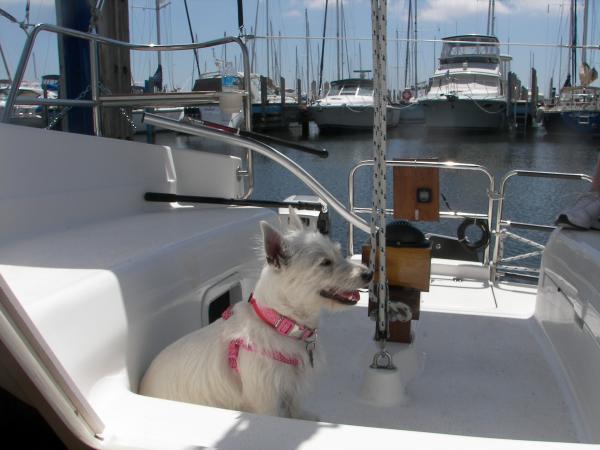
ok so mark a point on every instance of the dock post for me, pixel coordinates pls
(115, 68)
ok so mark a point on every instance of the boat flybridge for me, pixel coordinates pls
(95, 281)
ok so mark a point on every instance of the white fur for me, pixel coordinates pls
(195, 368)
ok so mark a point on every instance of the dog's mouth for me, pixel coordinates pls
(341, 296)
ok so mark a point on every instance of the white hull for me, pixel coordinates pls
(95, 282)
(478, 114)
(349, 117)
(410, 113)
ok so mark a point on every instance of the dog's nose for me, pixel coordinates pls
(366, 276)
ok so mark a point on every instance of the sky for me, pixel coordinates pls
(529, 31)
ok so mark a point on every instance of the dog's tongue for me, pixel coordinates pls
(350, 297)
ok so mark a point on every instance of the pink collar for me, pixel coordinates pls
(282, 324)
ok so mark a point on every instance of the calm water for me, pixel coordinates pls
(531, 200)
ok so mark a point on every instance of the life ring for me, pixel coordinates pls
(483, 227)
(406, 95)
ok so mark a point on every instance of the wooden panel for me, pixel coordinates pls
(406, 182)
(408, 267)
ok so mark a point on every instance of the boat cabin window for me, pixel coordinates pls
(468, 82)
(365, 90)
(470, 49)
(348, 90)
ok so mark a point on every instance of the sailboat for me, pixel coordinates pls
(97, 276)
(577, 110)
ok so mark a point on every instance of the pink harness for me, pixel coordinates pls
(282, 324)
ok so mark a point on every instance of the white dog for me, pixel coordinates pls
(260, 355)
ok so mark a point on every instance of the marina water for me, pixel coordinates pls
(531, 200)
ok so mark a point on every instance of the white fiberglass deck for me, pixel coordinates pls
(484, 370)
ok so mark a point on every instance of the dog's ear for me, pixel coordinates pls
(274, 245)
(295, 222)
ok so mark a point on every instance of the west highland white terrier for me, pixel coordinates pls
(259, 357)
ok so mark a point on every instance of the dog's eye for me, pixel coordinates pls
(326, 262)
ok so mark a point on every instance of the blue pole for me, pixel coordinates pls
(74, 55)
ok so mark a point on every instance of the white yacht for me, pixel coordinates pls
(348, 105)
(468, 90)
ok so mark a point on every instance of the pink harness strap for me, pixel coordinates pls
(284, 325)
(233, 350)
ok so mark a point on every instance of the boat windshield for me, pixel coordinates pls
(348, 90)
(451, 50)
(365, 90)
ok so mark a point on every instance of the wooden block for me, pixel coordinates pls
(408, 267)
(400, 332)
(407, 180)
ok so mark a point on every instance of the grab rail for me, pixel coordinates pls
(500, 222)
(267, 151)
(97, 101)
(430, 164)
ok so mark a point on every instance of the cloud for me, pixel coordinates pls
(293, 13)
(449, 10)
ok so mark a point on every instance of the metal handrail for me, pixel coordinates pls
(97, 101)
(430, 164)
(500, 222)
(267, 151)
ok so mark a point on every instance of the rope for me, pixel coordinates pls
(378, 291)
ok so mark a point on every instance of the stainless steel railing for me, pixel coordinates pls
(97, 100)
(432, 164)
(501, 227)
(267, 151)
(497, 263)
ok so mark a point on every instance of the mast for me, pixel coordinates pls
(268, 42)
(158, 30)
(337, 35)
(491, 19)
(398, 61)
(307, 53)
(254, 40)
(573, 42)
(408, 30)
(323, 48)
(5, 65)
(415, 55)
(585, 31)
(187, 13)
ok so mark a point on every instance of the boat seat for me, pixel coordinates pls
(129, 286)
(106, 278)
